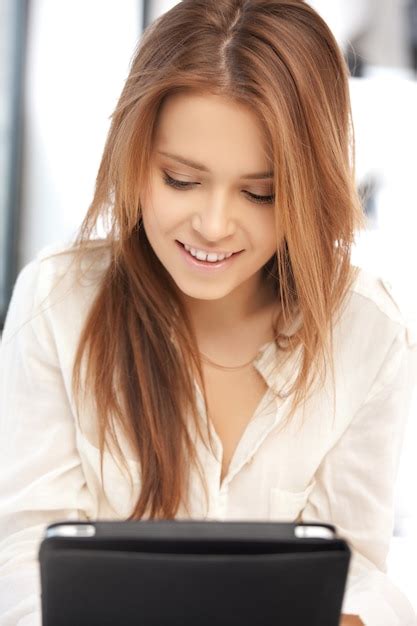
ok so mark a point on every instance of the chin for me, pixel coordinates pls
(203, 292)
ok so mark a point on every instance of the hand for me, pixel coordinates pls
(350, 620)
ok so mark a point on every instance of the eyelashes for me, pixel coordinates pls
(179, 184)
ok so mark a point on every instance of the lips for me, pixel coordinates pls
(198, 248)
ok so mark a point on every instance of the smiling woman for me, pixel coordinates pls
(216, 352)
(209, 204)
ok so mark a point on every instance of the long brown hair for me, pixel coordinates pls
(141, 356)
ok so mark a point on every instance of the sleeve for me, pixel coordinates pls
(41, 477)
(355, 488)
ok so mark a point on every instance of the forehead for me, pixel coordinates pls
(218, 132)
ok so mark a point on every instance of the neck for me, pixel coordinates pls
(229, 315)
(237, 344)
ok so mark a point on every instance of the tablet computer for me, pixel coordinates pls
(192, 573)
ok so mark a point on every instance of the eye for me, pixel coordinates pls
(261, 199)
(179, 184)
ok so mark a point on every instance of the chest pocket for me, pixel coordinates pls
(286, 506)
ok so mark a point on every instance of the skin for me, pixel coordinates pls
(215, 213)
(350, 620)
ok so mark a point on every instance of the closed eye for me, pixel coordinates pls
(179, 184)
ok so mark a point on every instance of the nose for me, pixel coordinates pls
(214, 221)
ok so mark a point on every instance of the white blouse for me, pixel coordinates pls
(337, 468)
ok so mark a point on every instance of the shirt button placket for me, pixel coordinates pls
(222, 502)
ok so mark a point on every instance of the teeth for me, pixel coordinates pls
(201, 255)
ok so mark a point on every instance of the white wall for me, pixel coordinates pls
(378, 29)
(157, 7)
(78, 58)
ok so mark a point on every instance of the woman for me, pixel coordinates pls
(215, 355)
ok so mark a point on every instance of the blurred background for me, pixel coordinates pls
(62, 66)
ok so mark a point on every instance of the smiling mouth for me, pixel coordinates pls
(208, 252)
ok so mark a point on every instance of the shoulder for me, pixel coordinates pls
(373, 339)
(61, 259)
(373, 325)
(377, 292)
(58, 268)
(373, 335)
(374, 306)
(57, 284)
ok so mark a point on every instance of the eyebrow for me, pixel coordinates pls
(203, 168)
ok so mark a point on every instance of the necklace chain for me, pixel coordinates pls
(225, 367)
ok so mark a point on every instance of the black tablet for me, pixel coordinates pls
(192, 573)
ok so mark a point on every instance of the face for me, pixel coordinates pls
(221, 202)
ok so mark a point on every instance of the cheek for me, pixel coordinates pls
(266, 239)
(160, 213)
